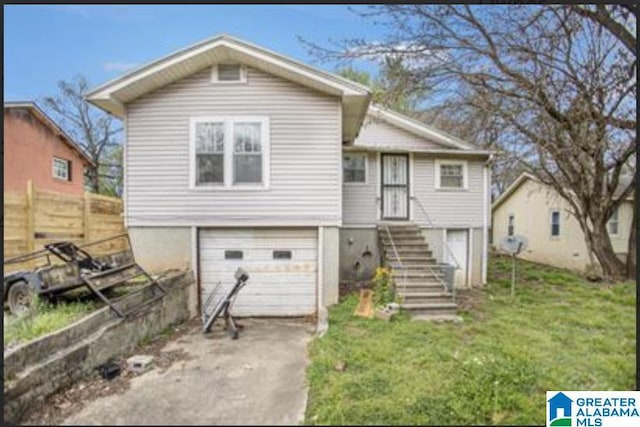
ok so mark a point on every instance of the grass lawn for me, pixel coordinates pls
(560, 332)
(46, 318)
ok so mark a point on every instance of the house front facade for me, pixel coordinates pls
(239, 156)
(36, 149)
(554, 237)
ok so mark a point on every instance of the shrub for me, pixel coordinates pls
(383, 292)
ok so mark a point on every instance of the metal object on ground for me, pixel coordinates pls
(223, 306)
(109, 370)
(79, 268)
(513, 245)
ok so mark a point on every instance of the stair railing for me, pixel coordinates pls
(397, 255)
(446, 245)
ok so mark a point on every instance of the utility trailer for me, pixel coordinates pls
(76, 268)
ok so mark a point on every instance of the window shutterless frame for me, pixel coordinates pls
(229, 122)
(60, 169)
(438, 176)
(363, 155)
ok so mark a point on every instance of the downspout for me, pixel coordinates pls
(485, 219)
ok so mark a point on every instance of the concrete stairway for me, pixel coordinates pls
(420, 285)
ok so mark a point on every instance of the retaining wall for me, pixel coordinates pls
(35, 370)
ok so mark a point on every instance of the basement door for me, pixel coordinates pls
(281, 262)
(395, 186)
(457, 240)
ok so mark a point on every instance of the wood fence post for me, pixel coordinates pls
(87, 217)
(31, 213)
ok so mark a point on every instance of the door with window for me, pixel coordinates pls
(395, 186)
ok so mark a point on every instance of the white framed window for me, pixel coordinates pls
(354, 168)
(451, 175)
(511, 225)
(61, 169)
(229, 152)
(613, 223)
(555, 223)
(228, 73)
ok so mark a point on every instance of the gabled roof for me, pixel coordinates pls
(420, 129)
(524, 176)
(112, 95)
(50, 124)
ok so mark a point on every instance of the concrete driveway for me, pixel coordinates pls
(257, 379)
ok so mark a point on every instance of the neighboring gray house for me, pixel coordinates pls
(236, 155)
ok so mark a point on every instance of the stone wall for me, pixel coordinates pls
(35, 370)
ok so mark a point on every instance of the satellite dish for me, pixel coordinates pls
(513, 245)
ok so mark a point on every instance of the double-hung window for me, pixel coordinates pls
(354, 168)
(61, 169)
(451, 175)
(230, 152)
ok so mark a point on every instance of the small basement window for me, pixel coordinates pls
(281, 254)
(228, 73)
(232, 254)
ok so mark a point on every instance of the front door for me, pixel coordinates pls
(395, 186)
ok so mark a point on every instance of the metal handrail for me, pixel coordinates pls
(446, 245)
(397, 255)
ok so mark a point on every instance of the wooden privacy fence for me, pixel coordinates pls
(38, 217)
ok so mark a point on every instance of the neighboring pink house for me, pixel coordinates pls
(37, 149)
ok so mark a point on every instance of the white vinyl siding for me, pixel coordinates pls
(305, 154)
(277, 286)
(447, 208)
(359, 206)
(376, 133)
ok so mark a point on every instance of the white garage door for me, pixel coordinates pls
(282, 266)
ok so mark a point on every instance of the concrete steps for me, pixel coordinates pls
(420, 283)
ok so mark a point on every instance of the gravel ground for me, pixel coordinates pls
(67, 402)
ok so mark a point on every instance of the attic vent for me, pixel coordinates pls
(228, 73)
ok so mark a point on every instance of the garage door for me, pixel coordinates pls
(282, 266)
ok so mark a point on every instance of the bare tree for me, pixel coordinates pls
(95, 131)
(560, 87)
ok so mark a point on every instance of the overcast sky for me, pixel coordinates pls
(47, 43)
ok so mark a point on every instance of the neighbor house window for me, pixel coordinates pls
(511, 225)
(230, 152)
(451, 175)
(228, 73)
(354, 168)
(613, 223)
(62, 169)
(555, 223)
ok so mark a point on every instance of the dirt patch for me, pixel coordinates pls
(470, 300)
(349, 287)
(69, 401)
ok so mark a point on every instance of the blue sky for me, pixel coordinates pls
(47, 43)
